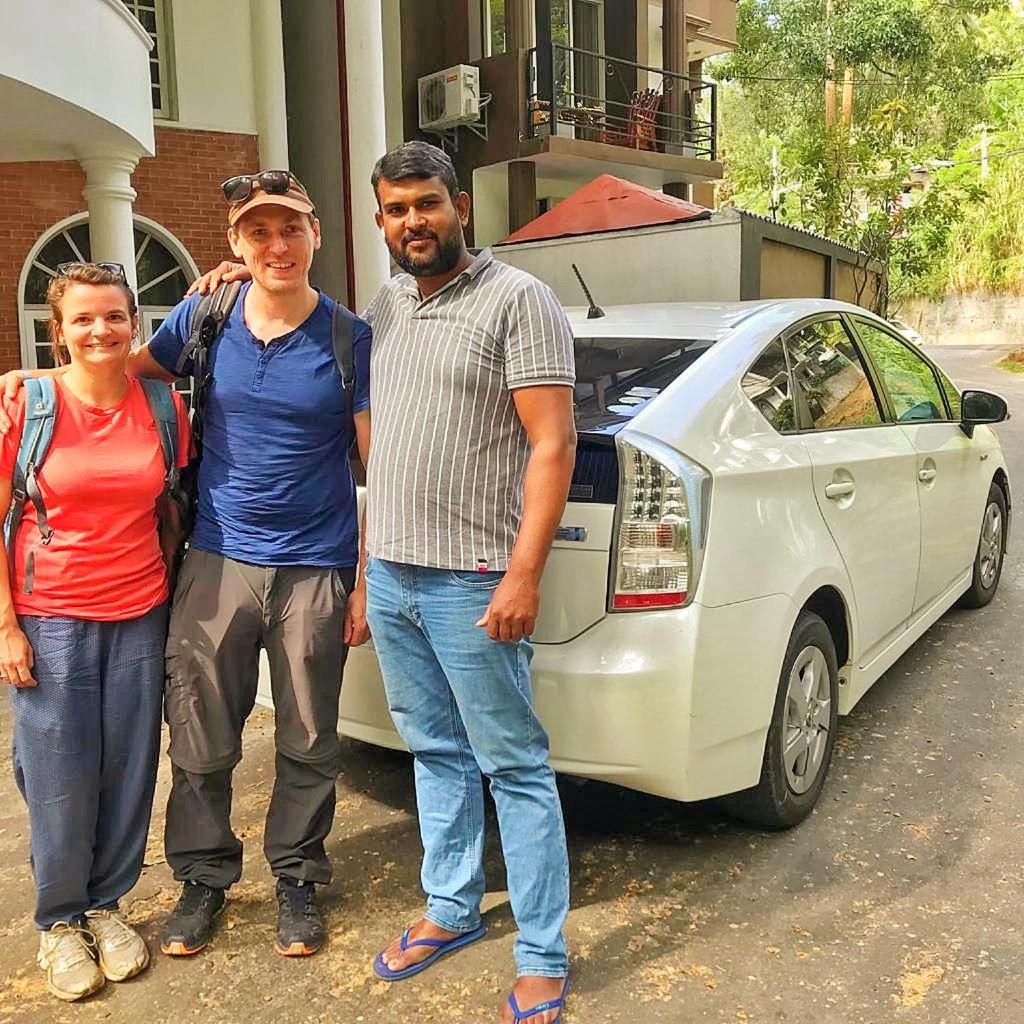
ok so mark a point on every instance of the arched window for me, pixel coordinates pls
(163, 269)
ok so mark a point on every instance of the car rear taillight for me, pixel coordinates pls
(660, 528)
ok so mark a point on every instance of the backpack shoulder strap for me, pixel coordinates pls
(165, 415)
(36, 435)
(343, 338)
(208, 319)
(40, 417)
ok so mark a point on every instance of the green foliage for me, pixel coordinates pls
(924, 82)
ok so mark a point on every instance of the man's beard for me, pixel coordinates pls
(444, 259)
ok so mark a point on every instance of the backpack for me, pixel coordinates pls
(205, 327)
(36, 435)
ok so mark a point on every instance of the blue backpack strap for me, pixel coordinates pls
(165, 416)
(36, 435)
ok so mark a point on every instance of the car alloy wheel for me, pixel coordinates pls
(805, 734)
(988, 560)
(991, 547)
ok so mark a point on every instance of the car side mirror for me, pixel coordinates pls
(979, 407)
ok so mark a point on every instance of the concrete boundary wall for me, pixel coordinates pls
(973, 319)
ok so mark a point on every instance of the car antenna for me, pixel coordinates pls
(595, 312)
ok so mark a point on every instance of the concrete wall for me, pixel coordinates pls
(213, 62)
(74, 74)
(661, 264)
(975, 319)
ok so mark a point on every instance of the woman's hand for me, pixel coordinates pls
(16, 658)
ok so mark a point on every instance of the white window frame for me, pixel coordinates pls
(29, 351)
(485, 23)
(163, 59)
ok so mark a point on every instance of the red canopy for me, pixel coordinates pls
(607, 204)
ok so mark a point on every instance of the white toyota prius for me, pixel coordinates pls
(771, 502)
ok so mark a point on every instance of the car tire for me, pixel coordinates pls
(802, 733)
(988, 559)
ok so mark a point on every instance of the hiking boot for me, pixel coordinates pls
(300, 928)
(119, 948)
(66, 953)
(190, 926)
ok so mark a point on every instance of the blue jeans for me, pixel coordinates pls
(463, 705)
(86, 744)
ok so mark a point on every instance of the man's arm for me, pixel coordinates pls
(356, 631)
(223, 273)
(140, 364)
(545, 411)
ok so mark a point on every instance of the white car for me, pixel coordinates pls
(772, 501)
(907, 331)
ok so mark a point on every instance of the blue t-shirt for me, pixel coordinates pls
(275, 486)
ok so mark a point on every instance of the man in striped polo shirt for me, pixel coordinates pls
(472, 456)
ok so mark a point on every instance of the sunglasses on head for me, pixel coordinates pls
(276, 183)
(63, 269)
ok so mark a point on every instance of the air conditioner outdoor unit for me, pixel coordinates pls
(449, 98)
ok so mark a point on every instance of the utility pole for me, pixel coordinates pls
(775, 193)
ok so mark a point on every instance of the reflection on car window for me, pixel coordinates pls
(907, 377)
(617, 377)
(766, 384)
(952, 396)
(832, 385)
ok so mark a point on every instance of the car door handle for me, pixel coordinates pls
(839, 490)
(926, 476)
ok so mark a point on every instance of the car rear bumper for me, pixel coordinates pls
(675, 703)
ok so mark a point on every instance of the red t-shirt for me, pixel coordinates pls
(100, 480)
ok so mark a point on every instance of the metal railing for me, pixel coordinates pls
(600, 99)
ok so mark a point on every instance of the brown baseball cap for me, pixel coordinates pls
(267, 188)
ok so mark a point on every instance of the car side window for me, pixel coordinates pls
(833, 389)
(910, 381)
(952, 396)
(766, 384)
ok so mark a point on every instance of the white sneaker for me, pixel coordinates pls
(119, 947)
(66, 953)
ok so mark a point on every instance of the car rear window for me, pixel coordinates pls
(617, 377)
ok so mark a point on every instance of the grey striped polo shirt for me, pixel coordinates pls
(445, 480)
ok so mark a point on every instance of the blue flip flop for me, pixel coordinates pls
(441, 947)
(551, 1004)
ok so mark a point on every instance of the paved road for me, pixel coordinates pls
(898, 900)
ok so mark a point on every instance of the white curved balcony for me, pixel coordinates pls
(74, 79)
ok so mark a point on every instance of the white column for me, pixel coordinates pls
(109, 195)
(268, 83)
(364, 58)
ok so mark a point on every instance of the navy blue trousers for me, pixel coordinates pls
(86, 745)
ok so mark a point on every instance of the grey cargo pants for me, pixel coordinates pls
(224, 612)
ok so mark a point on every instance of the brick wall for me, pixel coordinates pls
(177, 188)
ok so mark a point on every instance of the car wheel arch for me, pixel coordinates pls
(828, 603)
(1003, 482)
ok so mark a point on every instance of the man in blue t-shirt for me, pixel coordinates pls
(273, 564)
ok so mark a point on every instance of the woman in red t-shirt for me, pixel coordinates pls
(83, 623)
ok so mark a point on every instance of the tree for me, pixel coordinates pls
(852, 94)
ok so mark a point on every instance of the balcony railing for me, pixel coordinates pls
(606, 99)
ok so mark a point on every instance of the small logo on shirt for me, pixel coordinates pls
(482, 565)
